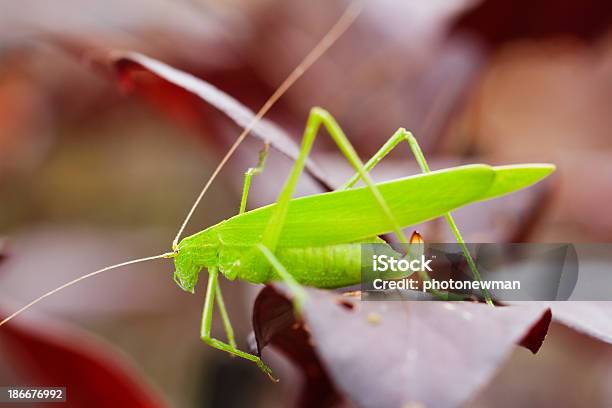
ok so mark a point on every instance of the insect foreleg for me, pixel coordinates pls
(205, 335)
(248, 176)
(227, 324)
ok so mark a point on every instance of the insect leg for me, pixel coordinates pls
(299, 295)
(271, 234)
(211, 290)
(389, 145)
(227, 324)
(398, 136)
(248, 176)
(420, 158)
(317, 118)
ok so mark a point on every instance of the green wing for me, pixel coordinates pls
(515, 177)
(352, 215)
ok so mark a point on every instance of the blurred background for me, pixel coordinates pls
(97, 168)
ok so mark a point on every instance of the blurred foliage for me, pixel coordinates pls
(91, 174)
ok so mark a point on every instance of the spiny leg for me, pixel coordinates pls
(248, 176)
(400, 135)
(205, 335)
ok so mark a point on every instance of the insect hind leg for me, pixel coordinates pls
(271, 234)
(400, 135)
(319, 117)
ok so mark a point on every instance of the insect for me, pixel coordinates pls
(315, 240)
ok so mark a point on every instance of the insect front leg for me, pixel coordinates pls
(248, 176)
(227, 324)
(205, 332)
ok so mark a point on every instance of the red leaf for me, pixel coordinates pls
(500, 22)
(52, 354)
(180, 94)
(591, 318)
(537, 333)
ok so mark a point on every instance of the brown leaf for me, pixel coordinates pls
(389, 354)
(274, 323)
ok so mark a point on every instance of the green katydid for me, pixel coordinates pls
(315, 240)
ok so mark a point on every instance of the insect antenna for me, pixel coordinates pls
(81, 278)
(343, 23)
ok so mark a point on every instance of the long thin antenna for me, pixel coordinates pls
(343, 23)
(77, 280)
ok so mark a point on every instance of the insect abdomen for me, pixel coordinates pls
(329, 266)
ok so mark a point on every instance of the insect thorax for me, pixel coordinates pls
(194, 253)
